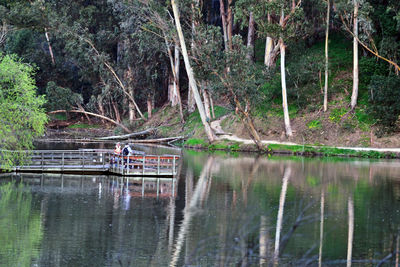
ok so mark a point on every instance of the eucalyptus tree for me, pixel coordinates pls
(193, 86)
(328, 8)
(281, 24)
(230, 73)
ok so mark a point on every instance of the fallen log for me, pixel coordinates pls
(166, 140)
(91, 114)
(126, 136)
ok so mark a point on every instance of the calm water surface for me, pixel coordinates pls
(222, 210)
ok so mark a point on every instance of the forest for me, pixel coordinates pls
(309, 71)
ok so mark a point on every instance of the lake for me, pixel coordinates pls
(221, 210)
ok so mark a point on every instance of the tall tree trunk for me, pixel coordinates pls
(350, 232)
(269, 43)
(279, 220)
(191, 101)
(206, 100)
(326, 57)
(192, 81)
(174, 94)
(49, 45)
(149, 106)
(101, 107)
(116, 111)
(355, 57)
(212, 106)
(269, 46)
(229, 24)
(288, 128)
(250, 37)
(223, 19)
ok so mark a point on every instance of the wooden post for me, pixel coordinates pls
(42, 161)
(127, 164)
(62, 161)
(83, 160)
(144, 162)
(103, 158)
(158, 165)
(143, 187)
(118, 163)
(173, 166)
(158, 186)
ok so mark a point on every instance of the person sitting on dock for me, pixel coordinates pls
(117, 149)
(117, 153)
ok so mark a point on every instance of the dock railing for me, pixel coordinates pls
(101, 160)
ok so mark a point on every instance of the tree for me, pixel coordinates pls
(354, 94)
(22, 115)
(210, 134)
(326, 55)
(281, 24)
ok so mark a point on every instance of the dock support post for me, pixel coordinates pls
(143, 187)
(83, 160)
(158, 187)
(127, 164)
(62, 161)
(144, 162)
(117, 157)
(158, 165)
(173, 166)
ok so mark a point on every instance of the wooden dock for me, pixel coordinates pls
(102, 161)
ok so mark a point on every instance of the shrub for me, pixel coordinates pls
(384, 96)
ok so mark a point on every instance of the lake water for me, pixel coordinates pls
(222, 210)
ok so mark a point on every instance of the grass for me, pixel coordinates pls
(83, 126)
(193, 122)
(59, 116)
(327, 151)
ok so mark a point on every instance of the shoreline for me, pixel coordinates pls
(270, 148)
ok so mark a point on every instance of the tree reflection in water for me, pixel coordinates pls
(20, 226)
(316, 213)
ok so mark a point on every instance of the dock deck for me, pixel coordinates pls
(99, 161)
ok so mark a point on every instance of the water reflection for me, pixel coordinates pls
(220, 211)
(20, 226)
(289, 212)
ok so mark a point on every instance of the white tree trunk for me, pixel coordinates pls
(355, 57)
(351, 232)
(269, 46)
(279, 221)
(49, 44)
(192, 81)
(250, 37)
(223, 19)
(288, 128)
(206, 100)
(326, 57)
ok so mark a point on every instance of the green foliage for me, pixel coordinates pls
(314, 124)
(337, 114)
(385, 101)
(60, 97)
(21, 110)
